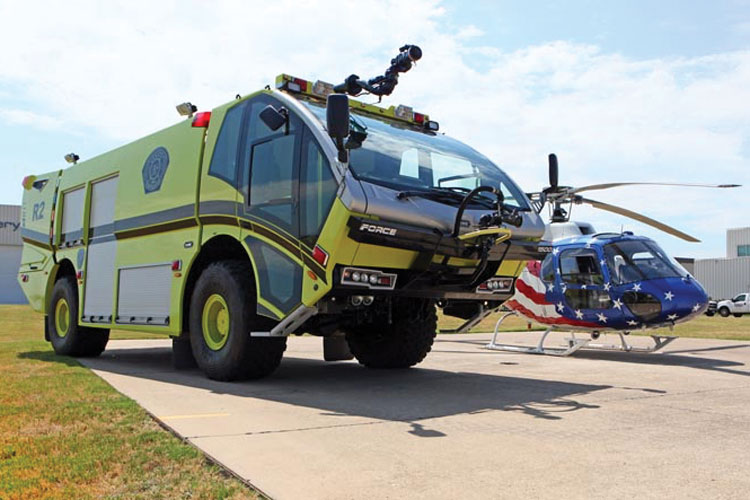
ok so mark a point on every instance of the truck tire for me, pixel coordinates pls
(68, 338)
(710, 313)
(222, 315)
(737, 315)
(403, 343)
(724, 311)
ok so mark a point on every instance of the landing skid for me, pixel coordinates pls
(574, 344)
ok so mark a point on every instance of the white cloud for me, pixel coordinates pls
(120, 67)
(24, 117)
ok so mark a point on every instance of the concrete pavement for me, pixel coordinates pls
(467, 422)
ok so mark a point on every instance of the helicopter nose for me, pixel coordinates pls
(693, 300)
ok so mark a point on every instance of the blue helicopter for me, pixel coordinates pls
(602, 282)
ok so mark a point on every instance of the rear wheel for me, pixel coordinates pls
(737, 315)
(401, 344)
(222, 315)
(724, 311)
(68, 338)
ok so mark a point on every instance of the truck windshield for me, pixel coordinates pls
(401, 158)
(635, 260)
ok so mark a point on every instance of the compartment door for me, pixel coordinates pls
(100, 259)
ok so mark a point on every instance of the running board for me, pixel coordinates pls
(575, 344)
(290, 323)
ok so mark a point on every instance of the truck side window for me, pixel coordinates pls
(272, 180)
(317, 190)
(224, 159)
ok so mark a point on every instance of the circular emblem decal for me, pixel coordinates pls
(154, 169)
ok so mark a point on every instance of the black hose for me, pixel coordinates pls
(465, 201)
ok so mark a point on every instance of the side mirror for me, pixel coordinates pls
(337, 122)
(274, 118)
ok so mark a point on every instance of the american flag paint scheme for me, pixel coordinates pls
(607, 282)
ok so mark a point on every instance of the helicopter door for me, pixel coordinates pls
(583, 281)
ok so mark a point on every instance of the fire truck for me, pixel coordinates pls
(295, 209)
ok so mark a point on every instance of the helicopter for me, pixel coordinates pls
(601, 282)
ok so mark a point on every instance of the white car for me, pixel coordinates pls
(738, 306)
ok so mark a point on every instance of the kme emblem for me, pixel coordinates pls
(154, 169)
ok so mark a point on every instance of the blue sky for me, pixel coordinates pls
(631, 91)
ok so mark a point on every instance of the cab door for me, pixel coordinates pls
(269, 212)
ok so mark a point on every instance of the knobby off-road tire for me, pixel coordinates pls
(68, 338)
(403, 343)
(737, 315)
(724, 312)
(222, 315)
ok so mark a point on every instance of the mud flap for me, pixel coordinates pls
(182, 354)
(336, 349)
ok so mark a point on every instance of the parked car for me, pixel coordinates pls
(738, 306)
(711, 309)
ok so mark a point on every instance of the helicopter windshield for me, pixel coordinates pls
(638, 260)
(401, 158)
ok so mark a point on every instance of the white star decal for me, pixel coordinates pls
(632, 323)
(579, 314)
(607, 286)
(617, 304)
(669, 295)
(672, 317)
(564, 287)
(601, 317)
(588, 245)
(696, 307)
(583, 287)
(551, 288)
(555, 251)
(602, 262)
(560, 307)
(637, 287)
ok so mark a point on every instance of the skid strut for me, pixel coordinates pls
(574, 344)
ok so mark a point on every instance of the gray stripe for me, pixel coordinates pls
(154, 218)
(73, 235)
(218, 207)
(35, 235)
(102, 239)
(103, 230)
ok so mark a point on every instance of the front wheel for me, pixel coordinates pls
(68, 338)
(401, 344)
(724, 311)
(222, 315)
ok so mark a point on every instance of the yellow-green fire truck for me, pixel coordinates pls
(291, 210)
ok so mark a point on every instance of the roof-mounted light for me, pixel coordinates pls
(186, 109)
(404, 112)
(72, 158)
(322, 89)
(202, 119)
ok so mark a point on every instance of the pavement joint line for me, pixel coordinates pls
(281, 431)
(682, 393)
(195, 415)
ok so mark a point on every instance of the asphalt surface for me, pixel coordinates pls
(467, 422)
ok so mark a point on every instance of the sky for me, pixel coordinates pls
(620, 90)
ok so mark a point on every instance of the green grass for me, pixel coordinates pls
(65, 433)
(716, 327)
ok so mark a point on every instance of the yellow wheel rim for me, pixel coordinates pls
(215, 322)
(62, 317)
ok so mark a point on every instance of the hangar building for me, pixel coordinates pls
(10, 254)
(726, 277)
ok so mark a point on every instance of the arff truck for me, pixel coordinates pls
(287, 211)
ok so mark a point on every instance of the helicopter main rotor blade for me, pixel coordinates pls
(640, 218)
(609, 185)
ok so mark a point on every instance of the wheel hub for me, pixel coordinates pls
(215, 322)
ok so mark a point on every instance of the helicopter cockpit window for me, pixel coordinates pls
(580, 266)
(638, 260)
